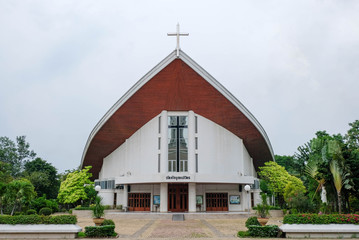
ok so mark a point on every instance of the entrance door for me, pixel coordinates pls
(139, 201)
(178, 197)
(217, 201)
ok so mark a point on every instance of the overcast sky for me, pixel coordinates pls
(63, 64)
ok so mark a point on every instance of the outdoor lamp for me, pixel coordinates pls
(247, 188)
(97, 188)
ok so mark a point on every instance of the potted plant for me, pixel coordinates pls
(98, 212)
(263, 210)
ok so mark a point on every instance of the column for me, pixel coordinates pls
(164, 196)
(191, 197)
(164, 147)
(247, 205)
(125, 196)
(191, 143)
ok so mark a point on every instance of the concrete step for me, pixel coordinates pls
(178, 217)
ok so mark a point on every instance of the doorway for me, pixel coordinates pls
(216, 201)
(139, 201)
(178, 197)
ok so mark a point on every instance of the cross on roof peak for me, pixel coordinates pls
(178, 34)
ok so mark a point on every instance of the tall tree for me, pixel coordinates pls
(72, 189)
(289, 163)
(278, 178)
(15, 154)
(43, 176)
(5, 178)
(19, 193)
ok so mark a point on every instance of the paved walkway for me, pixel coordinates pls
(188, 229)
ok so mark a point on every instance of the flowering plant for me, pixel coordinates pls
(321, 218)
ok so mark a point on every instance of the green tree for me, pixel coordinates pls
(5, 178)
(290, 163)
(278, 178)
(15, 154)
(351, 153)
(72, 189)
(43, 176)
(19, 193)
(293, 188)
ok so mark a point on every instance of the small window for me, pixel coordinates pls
(159, 162)
(196, 163)
(159, 124)
(196, 124)
(159, 143)
(196, 142)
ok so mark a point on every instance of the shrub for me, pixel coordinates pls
(270, 207)
(63, 219)
(101, 231)
(108, 222)
(99, 209)
(31, 212)
(243, 234)
(20, 219)
(321, 219)
(83, 208)
(36, 219)
(45, 211)
(42, 202)
(81, 235)
(119, 207)
(263, 231)
(252, 221)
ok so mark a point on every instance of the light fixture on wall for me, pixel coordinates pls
(97, 188)
(247, 188)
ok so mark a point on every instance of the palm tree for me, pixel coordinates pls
(338, 181)
(19, 192)
(311, 169)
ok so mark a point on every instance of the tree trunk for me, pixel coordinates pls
(13, 209)
(339, 203)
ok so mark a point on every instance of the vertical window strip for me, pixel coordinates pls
(159, 143)
(196, 163)
(159, 124)
(196, 143)
(196, 124)
(159, 163)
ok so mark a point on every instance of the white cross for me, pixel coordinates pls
(178, 34)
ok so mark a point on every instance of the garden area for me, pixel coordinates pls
(317, 185)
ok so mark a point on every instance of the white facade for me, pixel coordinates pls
(218, 162)
(202, 165)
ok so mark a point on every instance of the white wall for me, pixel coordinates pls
(107, 196)
(137, 156)
(222, 157)
(221, 152)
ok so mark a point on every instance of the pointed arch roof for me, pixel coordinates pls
(175, 84)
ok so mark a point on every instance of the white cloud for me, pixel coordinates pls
(64, 63)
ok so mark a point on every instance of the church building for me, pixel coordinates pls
(178, 141)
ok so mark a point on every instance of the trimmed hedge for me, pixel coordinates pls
(107, 222)
(45, 211)
(100, 231)
(252, 221)
(243, 234)
(83, 208)
(31, 212)
(263, 231)
(63, 219)
(270, 208)
(321, 219)
(36, 219)
(20, 219)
